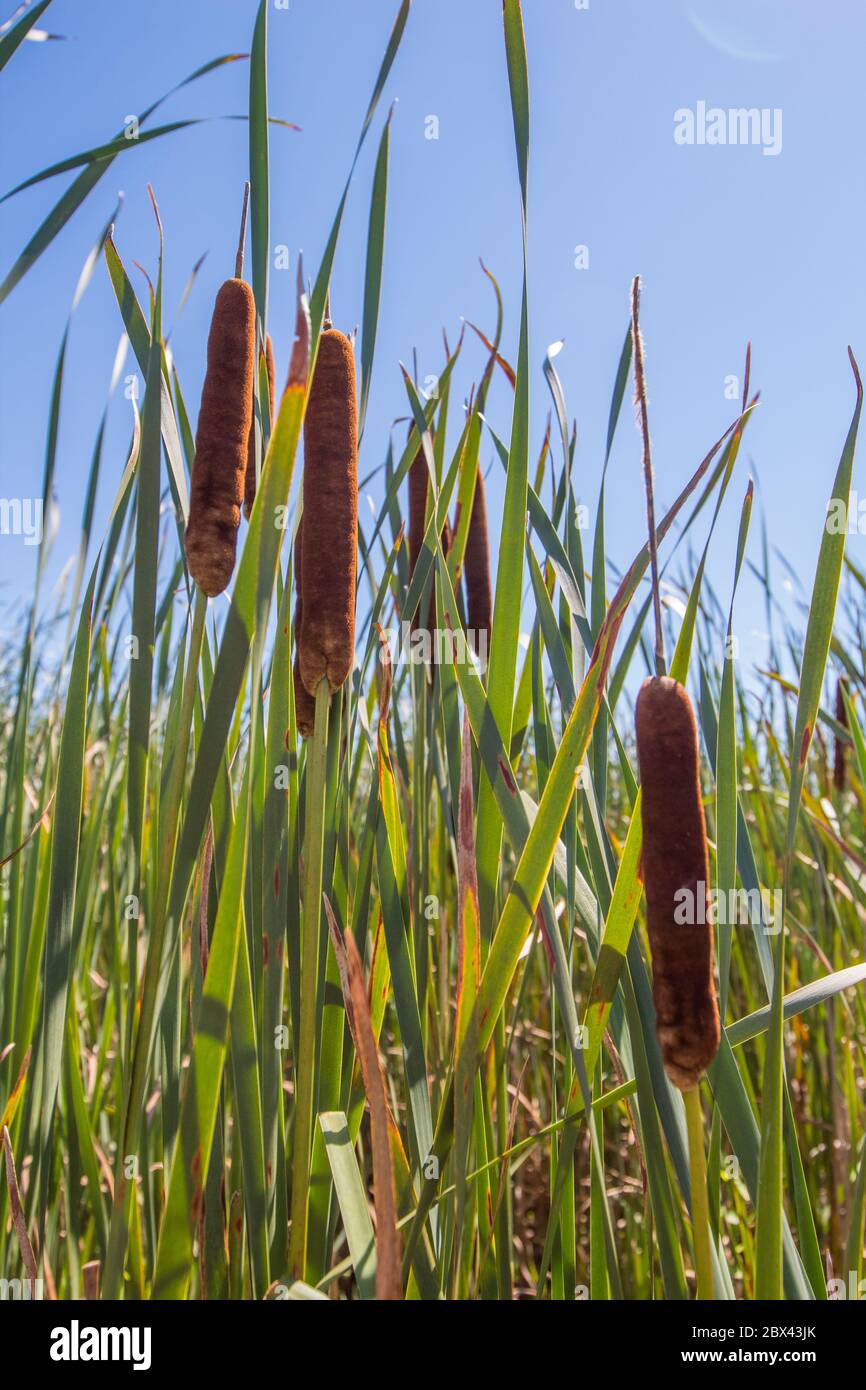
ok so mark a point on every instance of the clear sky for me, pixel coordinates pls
(732, 243)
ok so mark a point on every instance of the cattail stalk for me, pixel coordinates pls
(640, 396)
(700, 1200)
(326, 653)
(250, 478)
(676, 873)
(224, 420)
(839, 749)
(305, 705)
(676, 868)
(305, 1056)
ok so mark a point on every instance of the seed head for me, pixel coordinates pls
(676, 875)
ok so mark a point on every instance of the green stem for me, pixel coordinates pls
(305, 1055)
(700, 1204)
(119, 1229)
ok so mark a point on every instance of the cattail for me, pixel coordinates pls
(839, 750)
(479, 602)
(419, 478)
(224, 420)
(305, 705)
(676, 866)
(326, 638)
(250, 479)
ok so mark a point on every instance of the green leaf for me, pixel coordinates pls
(15, 36)
(352, 1197)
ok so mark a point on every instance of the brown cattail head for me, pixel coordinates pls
(250, 480)
(419, 478)
(839, 750)
(326, 639)
(305, 705)
(479, 601)
(676, 875)
(224, 420)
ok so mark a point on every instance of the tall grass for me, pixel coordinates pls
(425, 924)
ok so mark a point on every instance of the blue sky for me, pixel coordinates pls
(732, 244)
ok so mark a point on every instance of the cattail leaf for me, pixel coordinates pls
(373, 270)
(81, 1129)
(726, 773)
(54, 417)
(806, 997)
(108, 151)
(84, 184)
(65, 848)
(746, 862)
(248, 1111)
(259, 171)
(739, 1121)
(857, 1220)
(822, 609)
(14, 1098)
(323, 279)
(468, 971)
(144, 587)
(509, 578)
(391, 861)
(352, 1198)
(13, 37)
(139, 336)
(278, 816)
(388, 1279)
(408, 456)
(518, 81)
(189, 1168)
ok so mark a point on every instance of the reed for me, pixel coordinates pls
(839, 743)
(504, 995)
(250, 476)
(305, 705)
